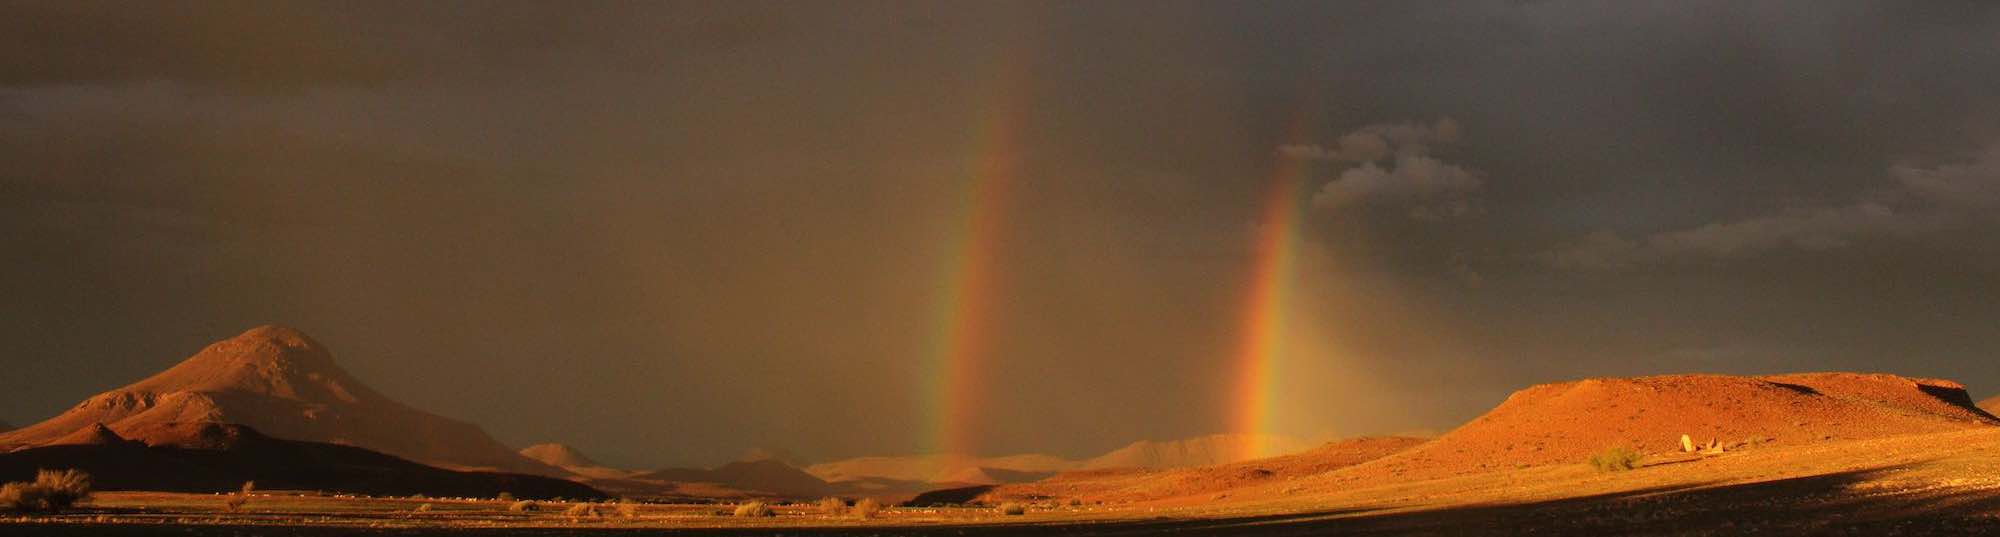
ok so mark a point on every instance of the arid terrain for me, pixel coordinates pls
(1710, 454)
(1923, 484)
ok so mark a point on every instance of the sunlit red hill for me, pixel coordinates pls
(1566, 422)
(281, 383)
(1555, 424)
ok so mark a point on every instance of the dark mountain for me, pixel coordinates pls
(766, 475)
(212, 457)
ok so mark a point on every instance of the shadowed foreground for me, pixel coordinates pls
(1832, 503)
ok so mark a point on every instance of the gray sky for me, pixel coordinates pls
(667, 233)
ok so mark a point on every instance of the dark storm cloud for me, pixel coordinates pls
(261, 45)
(670, 232)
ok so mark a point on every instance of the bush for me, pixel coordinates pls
(425, 508)
(52, 491)
(831, 505)
(581, 510)
(1617, 459)
(754, 509)
(866, 508)
(524, 506)
(628, 508)
(237, 500)
(1013, 509)
(505, 497)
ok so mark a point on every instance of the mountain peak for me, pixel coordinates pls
(271, 360)
(273, 343)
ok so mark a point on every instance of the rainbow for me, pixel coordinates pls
(1265, 312)
(961, 347)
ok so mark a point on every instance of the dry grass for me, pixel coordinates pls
(1013, 509)
(1617, 459)
(235, 502)
(582, 510)
(866, 508)
(831, 505)
(754, 509)
(51, 492)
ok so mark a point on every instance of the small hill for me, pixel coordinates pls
(1149, 484)
(212, 457)
(557, 455)
(568, 458)
(282, 382)
(775, 454)
(766, 476)
(1199, 451)
(1564, 423)
(94, 435)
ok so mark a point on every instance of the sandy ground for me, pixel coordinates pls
(1926, 484)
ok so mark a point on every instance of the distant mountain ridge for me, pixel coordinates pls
(767, 475)
(943, 469)
(1198, 451)
(282, 383)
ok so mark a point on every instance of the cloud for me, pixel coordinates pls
(1434, 188)
(1431, 188)
(1968, 186)
(1941, 194)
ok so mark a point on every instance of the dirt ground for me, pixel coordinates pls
(1927, 484)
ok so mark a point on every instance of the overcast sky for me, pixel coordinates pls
(667, 233)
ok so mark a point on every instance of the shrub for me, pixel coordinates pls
(1617, 459)
(237, 500)
(831, 505)
(52, 491)
(628, 508)
(20, 497)
(524, 506)
(1013, 509)
(425, 508)
(754, 509)
(866, 508)
(505, 497)
(581, 510)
